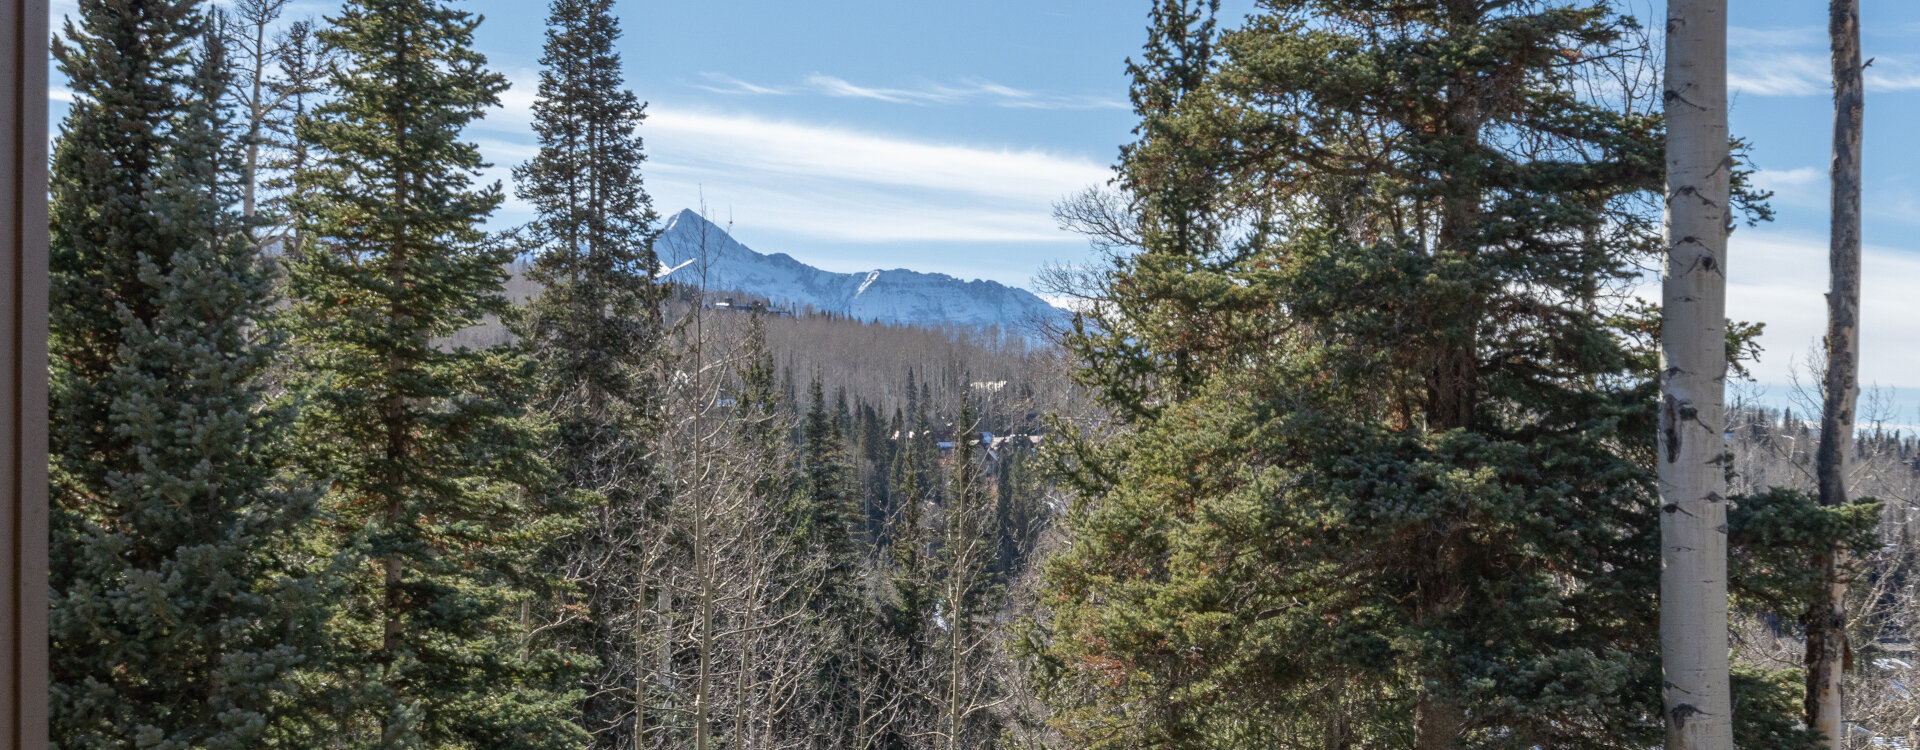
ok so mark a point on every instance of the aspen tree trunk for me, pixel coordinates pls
(860, 741)
(743, 682)
(703, 572)
(1827, 648)
(256, 114)
(959, 574)
(703, 684)
(670, 684)
(739, 737)
(640, 677)
(955, 659)
(1693, 346)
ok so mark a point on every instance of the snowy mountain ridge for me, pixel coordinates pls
(695, 252)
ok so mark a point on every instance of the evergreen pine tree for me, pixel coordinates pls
(826, 513)
(913, 394)
(926, 455)
(1388, 477)
(906, 539)
(826, 520)
(1019, 510)
(1148, 352)
(763, 413)
(178, 613)
(594, 331)
(128, 73)
(843, 421)
(911, 484)
(437, 502)
(876, 463)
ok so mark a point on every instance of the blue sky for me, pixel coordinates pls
(860, 134)
(1779, 74)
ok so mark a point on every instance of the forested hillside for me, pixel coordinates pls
(1774, 449)
(1015, 380)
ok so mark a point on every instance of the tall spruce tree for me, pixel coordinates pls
(438, 498)
(875, 458)
(594, 330)
(826, 514)
(906, 540)
(911, 485)
(1388, 475)
(1020, 510)
(762, 414)
(178, 614)
(826, 519)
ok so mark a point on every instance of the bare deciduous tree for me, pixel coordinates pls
(279, 70)
(1827, 648)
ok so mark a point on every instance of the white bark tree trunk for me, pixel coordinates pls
(642, 677)
(1693, 512)
(1827, 624)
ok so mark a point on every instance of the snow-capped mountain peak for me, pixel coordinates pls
(696, 252)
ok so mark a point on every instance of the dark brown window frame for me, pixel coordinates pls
(23, 374)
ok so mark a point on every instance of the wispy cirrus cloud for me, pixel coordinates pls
(969, 91)
(841, 184)
(791, 148)
(719, 83)
(1794, 62)
(830, 183)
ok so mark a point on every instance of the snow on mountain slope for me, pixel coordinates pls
(695, 252)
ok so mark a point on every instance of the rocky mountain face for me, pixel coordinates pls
(696, 252)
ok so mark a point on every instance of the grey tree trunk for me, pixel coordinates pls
(1827, 648)
(256, 115)
(1693, 512)
(640, 678)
